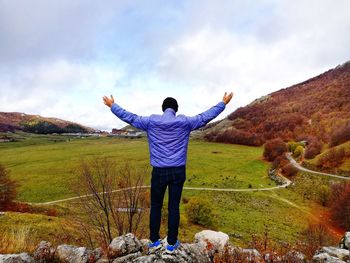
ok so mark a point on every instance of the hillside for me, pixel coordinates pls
(15, 121)
(313, 108)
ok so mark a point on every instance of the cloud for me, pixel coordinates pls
(59, 58)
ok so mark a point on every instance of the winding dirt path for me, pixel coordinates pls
(301, 168)
(286, 180)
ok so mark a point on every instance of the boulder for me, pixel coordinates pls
(324, 257)
(123, 245)
(127, 258)
(16, 258)
(211, 240)
(340, 253)
(345, 242)
(44, 252)
(72, 254)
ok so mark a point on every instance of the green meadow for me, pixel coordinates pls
(45, 166)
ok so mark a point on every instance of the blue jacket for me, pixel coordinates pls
(168, 134)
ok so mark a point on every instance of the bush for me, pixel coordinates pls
(289, 170)
(340, 135)
(299, 151)
(313, 145)
(292, 146)
(333, 158)
(274, 148)
(8, 191)
(200, 211)
(314, 237)
(340, 205)
(324, 194)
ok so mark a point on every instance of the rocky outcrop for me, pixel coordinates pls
(339, 254)
(207, 245)
(16, 258)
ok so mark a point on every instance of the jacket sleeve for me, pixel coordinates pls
(131, 118)
(202, 119)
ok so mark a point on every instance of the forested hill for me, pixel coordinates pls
(314, 109)
(14, 121)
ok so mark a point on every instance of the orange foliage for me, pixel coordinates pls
(312, 107)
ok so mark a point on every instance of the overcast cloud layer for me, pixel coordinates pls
(58, 58)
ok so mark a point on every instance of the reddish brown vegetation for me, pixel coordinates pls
(311, 108)
(333, 158)
(340, 204)
(235, 136)
(274, 148)
(289, 170)
(13, 121)
(8, 191)
(314, 237)
(340, 135)
(313, 145)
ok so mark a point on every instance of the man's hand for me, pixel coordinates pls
(108, 101)
(226, 99)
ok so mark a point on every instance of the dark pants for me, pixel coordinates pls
(174, 177)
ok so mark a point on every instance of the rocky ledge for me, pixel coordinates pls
(128, 248)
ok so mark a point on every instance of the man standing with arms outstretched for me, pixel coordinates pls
(168, 137)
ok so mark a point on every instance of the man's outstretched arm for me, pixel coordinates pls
(131, 118)
(202, 119)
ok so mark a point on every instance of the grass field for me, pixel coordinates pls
(44, 166)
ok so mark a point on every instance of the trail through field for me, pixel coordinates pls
(315, 216)
(286, 180)
(301, 168)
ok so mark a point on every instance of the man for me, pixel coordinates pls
(168, 137)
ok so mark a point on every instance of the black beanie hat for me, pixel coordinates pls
(170, 103)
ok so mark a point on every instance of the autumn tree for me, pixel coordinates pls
(274, 148)
(340, 205)
(340, 135)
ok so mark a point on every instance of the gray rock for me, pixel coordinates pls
(345, 242)
(123, 245)
(217, 239)
(127, 258)
(340, 253)
(72, 254)
(44, 252)
(144, 242)
(324, 257)
(145, 259)
(16, 258)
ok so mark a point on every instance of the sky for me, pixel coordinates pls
(58, 58)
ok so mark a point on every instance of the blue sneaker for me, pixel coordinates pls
(171, 248)
(154, 246)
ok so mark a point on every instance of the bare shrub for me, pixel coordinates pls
(112, 199)
(315, 236)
